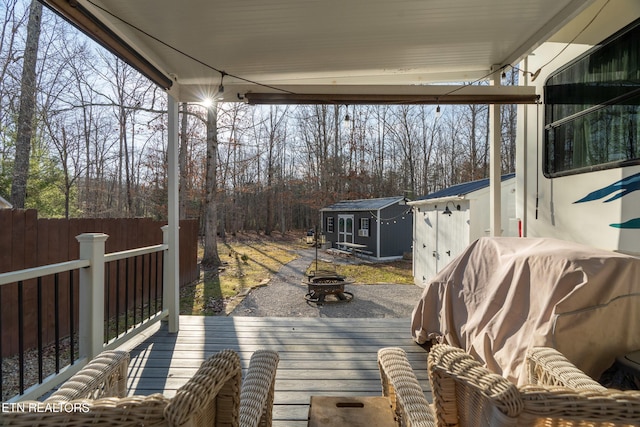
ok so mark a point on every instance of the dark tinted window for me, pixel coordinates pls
(592, 106)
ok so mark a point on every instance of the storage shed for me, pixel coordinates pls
(381, 228)
(447, 221)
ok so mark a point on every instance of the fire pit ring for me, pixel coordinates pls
(322, 284)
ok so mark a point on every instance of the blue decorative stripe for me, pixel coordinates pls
(632, 223)
(625, 186)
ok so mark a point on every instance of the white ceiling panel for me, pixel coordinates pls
(328, 43)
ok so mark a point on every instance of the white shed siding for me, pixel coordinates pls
(439, 238)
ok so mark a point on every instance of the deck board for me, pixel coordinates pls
(318, 356)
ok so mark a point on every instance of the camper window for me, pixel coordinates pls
(592, 108)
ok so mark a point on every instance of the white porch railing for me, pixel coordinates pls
(91, 330)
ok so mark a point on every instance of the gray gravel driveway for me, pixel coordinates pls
(284, 295)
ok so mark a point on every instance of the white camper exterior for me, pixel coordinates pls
(447, 221)
(578, 159)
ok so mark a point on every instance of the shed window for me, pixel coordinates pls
(329, 224)
(364, 227)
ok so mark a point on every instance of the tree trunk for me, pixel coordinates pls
(211, 259)
(182, 162)
(27, 107)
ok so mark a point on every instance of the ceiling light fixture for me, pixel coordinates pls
(346, 123)
(220, 94)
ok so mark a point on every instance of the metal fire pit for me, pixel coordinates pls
(323, 284)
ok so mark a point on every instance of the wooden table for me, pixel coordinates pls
(352, 245)
(354, 248)
(334, 411)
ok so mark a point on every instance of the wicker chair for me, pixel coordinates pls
(214, 396)
(400, 385)
(466, 394)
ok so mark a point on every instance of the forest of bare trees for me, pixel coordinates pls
(97, 142)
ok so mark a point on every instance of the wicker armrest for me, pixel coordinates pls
(401, 386)
(105, 412)
(547, 366)
(211, 396)
(560, 406)
(256, 395)
(103, 376)
(453, 373)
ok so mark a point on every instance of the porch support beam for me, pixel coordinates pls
(370, 95)
(171, 295)
(495, 139)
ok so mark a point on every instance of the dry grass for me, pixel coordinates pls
(248, 261)
(397, 272)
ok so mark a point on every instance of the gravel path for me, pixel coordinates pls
(284, 295)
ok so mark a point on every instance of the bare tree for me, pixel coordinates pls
(404, 131)
(273, 132)
(475, 133)
(429, 126)
(27, 107)
(232, 125)
(211, 259)
(68, 149)
(9, 56)
(182, 162)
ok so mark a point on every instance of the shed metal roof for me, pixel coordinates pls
(464, 188)
(363, 204)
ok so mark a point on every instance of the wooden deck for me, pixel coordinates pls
(318, 356)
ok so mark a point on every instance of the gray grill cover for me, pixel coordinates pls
(503, 295)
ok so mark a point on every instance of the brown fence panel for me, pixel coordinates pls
(10, 292)
(6, 217)
(26, 241)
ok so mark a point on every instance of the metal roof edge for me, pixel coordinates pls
(437, 200)
(391, 202)
(467, 187)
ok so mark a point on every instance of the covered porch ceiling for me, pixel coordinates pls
(328, 51)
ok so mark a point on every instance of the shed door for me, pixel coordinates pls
(440, 238)
(345, 228)
(453, 232)
(450, 235)
(430, 244)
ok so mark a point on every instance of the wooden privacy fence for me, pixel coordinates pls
(27, 241)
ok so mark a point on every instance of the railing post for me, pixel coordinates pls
(170, 287)
(92, 294)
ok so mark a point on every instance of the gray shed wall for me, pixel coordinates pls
(396, 231)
